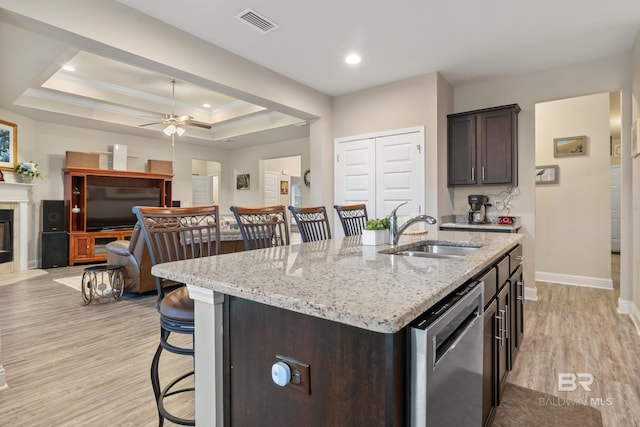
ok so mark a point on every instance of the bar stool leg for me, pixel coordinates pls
(155, 381)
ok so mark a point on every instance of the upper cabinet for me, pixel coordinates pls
(483, 146)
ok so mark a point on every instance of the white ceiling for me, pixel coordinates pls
(466, 41)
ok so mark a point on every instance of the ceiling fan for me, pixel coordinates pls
(175, 124)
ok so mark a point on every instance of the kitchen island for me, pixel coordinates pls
(347, 302)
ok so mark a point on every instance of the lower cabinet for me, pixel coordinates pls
(516, 281)
(90, 247)
(503, 317)
(489, 371)
(503, 328)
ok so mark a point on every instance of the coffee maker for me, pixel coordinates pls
(478, 210)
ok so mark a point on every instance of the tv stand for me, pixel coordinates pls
(89, 246)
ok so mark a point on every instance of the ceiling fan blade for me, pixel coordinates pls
(197, 124)
(149, 124)
(184, 118)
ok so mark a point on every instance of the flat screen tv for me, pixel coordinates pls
(109, 207)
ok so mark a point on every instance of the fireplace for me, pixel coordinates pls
(6, 235)
(16, 197)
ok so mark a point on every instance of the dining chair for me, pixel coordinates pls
(173, 234)
(352, 217)
(312, 223)
(262, 227)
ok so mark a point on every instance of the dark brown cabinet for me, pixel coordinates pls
(517, 313)
(503, 317)
(483, 146)
(503, 327)
(489, 370)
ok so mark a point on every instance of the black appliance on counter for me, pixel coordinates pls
(478, 212)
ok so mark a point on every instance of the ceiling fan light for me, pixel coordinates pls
(179, 131)
(169, 130)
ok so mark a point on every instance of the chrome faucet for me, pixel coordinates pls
(395, 232)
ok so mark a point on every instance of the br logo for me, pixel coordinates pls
(568, 381)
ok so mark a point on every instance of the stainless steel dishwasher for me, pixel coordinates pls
(445, 367)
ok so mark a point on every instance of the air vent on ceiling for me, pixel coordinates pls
(257, 21)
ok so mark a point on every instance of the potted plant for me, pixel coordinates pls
(376, 232)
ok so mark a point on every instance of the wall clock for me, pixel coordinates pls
(307, 178)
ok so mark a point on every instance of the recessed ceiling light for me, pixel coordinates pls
(353, 58)
(205, 105)
(69, 68)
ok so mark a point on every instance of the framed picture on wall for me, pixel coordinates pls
(635, 139)
(570, 146)
(284, 187)
(8, 145)
(243, 181)
(547, 174)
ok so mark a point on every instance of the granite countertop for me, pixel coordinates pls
(487, 226)
(493, 223)
(341, 280)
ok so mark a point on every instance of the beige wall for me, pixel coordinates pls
(579, 205)
(633, 205)
(403, 104)
(248, 160)
(602, 75)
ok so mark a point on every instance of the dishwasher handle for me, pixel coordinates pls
(456, 336)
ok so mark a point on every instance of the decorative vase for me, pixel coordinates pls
(375, 237)
(25, 179)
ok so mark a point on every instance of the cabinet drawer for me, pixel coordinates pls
(515, 258)
(503, 271)
(490, 280)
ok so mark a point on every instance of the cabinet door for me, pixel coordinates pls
(504, 347)
(496, 147)
(81, 247)
(489, 370)
(517, 313)
(462, 150)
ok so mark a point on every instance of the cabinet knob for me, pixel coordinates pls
(281, 373)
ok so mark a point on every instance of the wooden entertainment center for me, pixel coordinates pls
(89, 246)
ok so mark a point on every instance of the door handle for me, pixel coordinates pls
(501, 336)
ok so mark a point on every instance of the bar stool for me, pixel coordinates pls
(312, 223)
(263, 227)
(174, 234)
(353, 218)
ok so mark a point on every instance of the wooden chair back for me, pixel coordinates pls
(174, 234)
(353, 218)
(312, 223)
(263, 227)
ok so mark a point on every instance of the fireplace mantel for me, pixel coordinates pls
(16, 195)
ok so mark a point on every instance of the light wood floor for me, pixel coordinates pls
(578, 330)
(68, 364)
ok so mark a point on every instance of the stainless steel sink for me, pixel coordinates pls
(433, 249)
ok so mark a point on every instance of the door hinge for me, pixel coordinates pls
(419, 147)
(337, 158)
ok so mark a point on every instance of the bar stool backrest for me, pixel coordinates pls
(312, 223)
(174, 234)
(353, 218)
(262, 227)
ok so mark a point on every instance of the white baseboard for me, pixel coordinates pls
(531, 293)
(3, 380)
(567, 279)
(632, 311)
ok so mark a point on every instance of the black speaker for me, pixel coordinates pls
(55, 249)
(52, 215)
